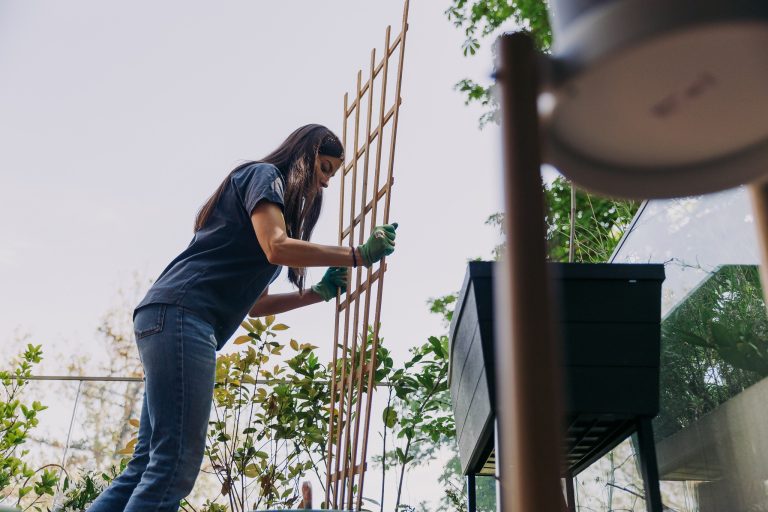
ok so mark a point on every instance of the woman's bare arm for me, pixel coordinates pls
(269, 225)
(282, 302)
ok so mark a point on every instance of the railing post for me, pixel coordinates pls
(471, 493)
(69, 436)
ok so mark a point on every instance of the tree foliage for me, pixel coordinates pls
(480, 19)
(714, 345)
(271, 418)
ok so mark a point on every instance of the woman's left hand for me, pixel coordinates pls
(335, 279)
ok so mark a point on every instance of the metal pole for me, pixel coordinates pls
(71, 423)
(648, 466)
(528, 371)
(69, 435)
(79, 378)
(471, 493)
(569, 492)
(140, 379)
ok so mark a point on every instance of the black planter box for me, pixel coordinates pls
(610, 326)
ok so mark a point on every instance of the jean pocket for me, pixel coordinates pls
(149, 320)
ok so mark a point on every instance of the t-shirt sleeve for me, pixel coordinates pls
(262, 182)
(277, 273)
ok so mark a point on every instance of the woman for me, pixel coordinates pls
(258, 220)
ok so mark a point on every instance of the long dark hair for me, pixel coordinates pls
(295, 158)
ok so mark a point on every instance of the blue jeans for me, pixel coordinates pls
(178, 352)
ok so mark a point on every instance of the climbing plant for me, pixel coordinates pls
(21, 485)
(598, 226)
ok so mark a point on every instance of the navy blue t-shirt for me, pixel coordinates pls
(224, 270)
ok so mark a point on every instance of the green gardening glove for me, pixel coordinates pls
(381, 243)
(335, 279)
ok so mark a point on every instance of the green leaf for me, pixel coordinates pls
(251, 471)
(256, 325)
(242, 339)
(389, 417)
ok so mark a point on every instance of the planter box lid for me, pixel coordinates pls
(483, 270)
(649, 271)
(593, 271)
(609, 271)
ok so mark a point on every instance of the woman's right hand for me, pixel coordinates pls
(381, 243)
(334, 280)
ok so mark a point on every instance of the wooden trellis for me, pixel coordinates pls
(356, 339)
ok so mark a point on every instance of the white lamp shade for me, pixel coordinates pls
(659, 98)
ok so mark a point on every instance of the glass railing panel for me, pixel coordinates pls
(103, 424)
(711, 438)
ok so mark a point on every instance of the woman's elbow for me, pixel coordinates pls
(274, 253)
(271, 256)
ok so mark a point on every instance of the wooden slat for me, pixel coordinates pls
(377, 321)
(353, 425)
(367, 308)
(345, 344)
(380, 65)
(360, 468)
(329, 448)
(368, 208)
(373, 136)
(362, 288)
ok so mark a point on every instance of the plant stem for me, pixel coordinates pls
(572, 234)
(402, 474)
(384, 452)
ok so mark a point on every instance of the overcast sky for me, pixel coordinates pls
(118, 120)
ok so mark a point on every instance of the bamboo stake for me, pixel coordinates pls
(388, 196)
(345, 352)
(364, 340)
(370, 277)
(350, 361)
(332, 395)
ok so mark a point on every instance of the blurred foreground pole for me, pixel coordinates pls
(759, 191)
(528, 370)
